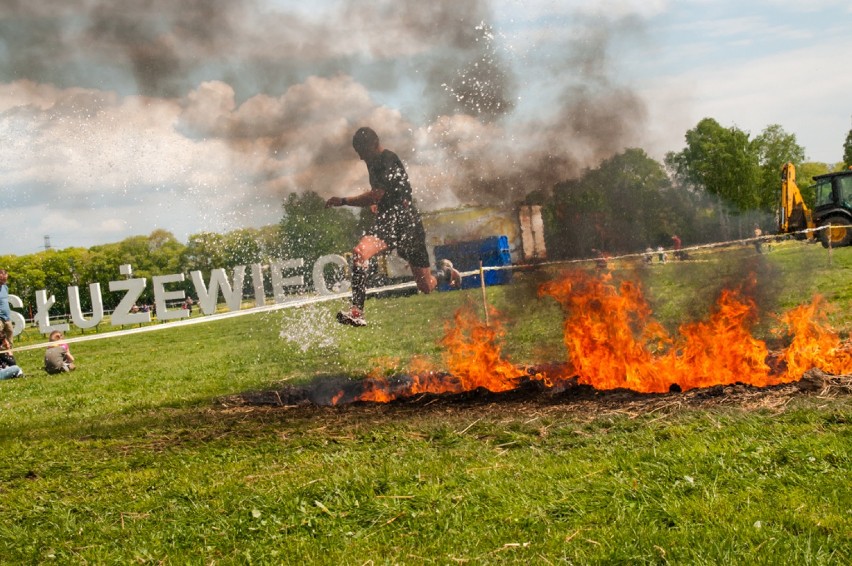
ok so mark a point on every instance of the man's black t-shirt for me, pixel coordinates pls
(397, 223)
(387, 173)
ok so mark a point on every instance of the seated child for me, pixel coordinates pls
(8, 367)
(58, 358)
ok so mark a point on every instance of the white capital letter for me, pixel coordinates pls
(319, 274)
(233, 296)
(77, 312)
(18, 320)
(279, 281)
(161, 296)
(43, 304)
(122, 315)
(257, 283)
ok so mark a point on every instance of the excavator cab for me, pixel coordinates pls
(833, 207)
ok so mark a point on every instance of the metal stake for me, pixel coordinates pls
(828, 237)
(482, 285)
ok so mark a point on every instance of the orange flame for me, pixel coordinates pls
(721, 350)
(813, 343)
(613, 341)
(474, 354)
(608, 332)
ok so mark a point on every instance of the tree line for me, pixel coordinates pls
(716, 188)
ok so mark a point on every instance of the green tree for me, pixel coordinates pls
(775, 147)
(270, 241)
(100, 266)
(51, 270)
(624, 205)
(847, 150)
(720, 160)
(723, 162)
(104, 262)
(159, 253)
(203, 252)
(309, 230)
(165, 252)
(243, 247)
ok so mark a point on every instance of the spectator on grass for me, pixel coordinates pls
(8, 367)
(757, 235)
(7, 330)
(678, 248)
(57, 357)
(601, 258)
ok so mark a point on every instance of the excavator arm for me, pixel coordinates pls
(794, 214)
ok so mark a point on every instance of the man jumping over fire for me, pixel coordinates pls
(397, 225)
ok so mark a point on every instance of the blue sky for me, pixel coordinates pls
(121, 118)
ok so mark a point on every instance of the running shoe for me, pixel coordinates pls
(352, 317)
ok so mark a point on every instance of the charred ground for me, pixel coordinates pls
(531, 398)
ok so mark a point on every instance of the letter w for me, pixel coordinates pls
(218, 280)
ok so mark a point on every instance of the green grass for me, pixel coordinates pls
(133, 459)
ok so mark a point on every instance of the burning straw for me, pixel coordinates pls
(613, 342)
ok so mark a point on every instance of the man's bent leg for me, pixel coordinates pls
(368, 247)
(363, 252)
(359, 285)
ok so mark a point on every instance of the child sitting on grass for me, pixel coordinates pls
(58, 358)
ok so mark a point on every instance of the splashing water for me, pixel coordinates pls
(307, 327)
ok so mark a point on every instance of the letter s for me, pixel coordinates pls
(18, 320)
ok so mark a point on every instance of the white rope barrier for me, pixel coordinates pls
(304, 301)
(645, 254)
(299, 302)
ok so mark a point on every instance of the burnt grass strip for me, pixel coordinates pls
(345, 392)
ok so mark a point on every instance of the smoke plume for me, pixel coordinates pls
(281, 89)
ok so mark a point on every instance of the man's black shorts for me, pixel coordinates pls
(401, 229)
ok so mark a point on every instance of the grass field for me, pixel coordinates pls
(138, 457)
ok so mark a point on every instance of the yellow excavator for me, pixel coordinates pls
(832, 207)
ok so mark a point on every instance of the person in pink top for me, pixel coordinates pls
(57, 357)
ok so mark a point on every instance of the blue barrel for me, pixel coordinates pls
(492, 252)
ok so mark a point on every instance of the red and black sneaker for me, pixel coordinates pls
(352, 317)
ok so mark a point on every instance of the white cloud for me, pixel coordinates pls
(536, 10)
(755, 93)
